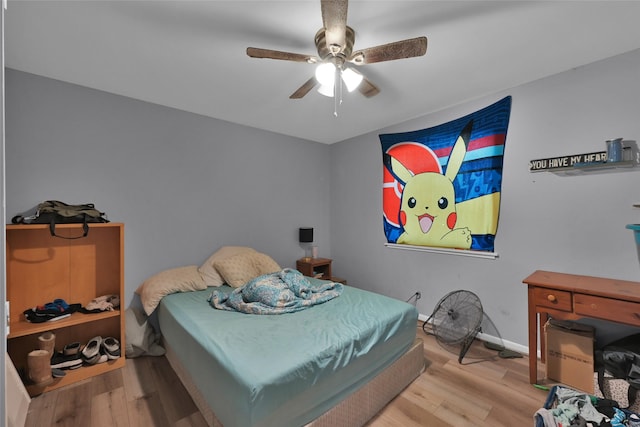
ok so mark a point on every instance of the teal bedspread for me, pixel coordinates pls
(285, 370)
(285, 291)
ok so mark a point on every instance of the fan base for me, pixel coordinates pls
(325, 52)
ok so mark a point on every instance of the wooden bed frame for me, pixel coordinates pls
(355, 410)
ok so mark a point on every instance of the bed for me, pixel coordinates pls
(335, 363)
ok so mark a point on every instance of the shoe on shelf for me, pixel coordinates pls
(70, 349)
(39, 369)
(57, 373)
(47, 342)
(91, 351)
(111, 347)
(62, 361)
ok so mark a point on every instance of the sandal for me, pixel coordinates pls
(111, 347)
(91, 351)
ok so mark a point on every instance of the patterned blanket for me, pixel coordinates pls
(285, 291)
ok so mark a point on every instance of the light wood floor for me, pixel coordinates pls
(484, 390)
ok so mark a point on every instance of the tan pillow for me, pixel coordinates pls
(180, 279)
(209, 272)
(239, 269)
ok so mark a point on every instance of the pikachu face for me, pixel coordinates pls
(428, 207)
(428, 203)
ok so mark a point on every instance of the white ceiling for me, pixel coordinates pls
(191, 55)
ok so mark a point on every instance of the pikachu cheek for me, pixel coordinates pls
(403, 218)
(451, 220)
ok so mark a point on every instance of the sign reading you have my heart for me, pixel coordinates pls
(567, 161)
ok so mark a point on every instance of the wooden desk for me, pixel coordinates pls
(570, 297)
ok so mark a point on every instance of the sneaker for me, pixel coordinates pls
(62, 361)
(57, 373)
(72, 348)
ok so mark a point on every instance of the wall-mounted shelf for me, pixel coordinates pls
(593, 168)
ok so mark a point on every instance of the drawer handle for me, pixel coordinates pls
(551, 298)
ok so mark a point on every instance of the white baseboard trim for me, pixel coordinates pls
(509, 345)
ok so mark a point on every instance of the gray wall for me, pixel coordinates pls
(182, 184)
(566, 224)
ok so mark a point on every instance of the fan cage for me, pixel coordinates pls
(456, 320)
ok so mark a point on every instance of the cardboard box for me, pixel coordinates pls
(570, 354)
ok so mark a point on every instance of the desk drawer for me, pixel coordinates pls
(627, 312)
(552, 298)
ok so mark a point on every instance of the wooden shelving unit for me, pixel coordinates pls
(42, 268)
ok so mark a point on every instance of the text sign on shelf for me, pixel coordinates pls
(567, 161)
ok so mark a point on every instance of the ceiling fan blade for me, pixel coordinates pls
(256, 52)
(334, 19)
(388, 52)
(304, 89)
(367, 88)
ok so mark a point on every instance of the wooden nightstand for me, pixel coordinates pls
(319, 268)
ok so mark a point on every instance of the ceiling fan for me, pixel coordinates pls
(334, 43)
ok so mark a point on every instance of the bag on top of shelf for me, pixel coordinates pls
(54, 212)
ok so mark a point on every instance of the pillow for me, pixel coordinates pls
(209, 272)
(239, 269)
(180, 279)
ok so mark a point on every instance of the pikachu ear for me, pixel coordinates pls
(458, 152)
(397, 168)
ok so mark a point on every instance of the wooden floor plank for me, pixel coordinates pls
(147, 410)
(138, 378)
(175, 399)
(42, 409)
(73, 406)
(194, 420)
(109, 409)
(106, 382)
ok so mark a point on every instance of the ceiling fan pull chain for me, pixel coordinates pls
(340, 82)
(336, 87)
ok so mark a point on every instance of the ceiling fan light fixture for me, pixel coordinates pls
(351, 78)
(326, 74)
(326, 90)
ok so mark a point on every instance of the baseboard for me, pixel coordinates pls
(492, 339)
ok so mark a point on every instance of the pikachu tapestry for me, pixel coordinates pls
(441, 186)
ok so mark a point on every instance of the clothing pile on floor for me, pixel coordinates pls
(566, 407)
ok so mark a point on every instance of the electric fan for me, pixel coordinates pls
(456, 320)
